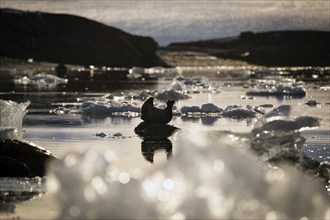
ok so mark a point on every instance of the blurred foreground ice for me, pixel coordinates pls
(11, 118)
(204, 180)
(208, 181)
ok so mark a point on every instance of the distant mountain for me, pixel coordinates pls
(71, 39)
(276, 48)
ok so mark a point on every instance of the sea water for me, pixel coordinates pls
(206, 169)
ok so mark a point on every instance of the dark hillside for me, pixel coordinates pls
(277, 48)
(71, 39)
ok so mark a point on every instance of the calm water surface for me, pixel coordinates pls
(65, 133)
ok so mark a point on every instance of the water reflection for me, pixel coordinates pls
(149, 146)
(206, 120)
(90, 119)
(97, 119)
(7, 210)
(8, 201)
(209, 120)
(17, 190)
(155, 138)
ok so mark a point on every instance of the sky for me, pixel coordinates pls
(189, 20)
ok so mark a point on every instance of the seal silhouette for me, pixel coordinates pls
(151, 114)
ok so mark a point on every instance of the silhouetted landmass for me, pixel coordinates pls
(276, 48)
(71, 39)
(22, 159)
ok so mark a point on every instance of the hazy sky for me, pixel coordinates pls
(181, 20)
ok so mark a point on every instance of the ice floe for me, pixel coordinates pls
(40, 80)
(231, 111)
(210, 108)
(11, 118)
(171, 95)
(312, 103)
(182, 86)
(277, 137)
(94, 108)
(108, 107)
(236, 111)
(190, 109)
(279, 90)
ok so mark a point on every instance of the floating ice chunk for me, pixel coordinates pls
(280, 90)
(231, 111)
(123, 107)
(40, 80)
(290, 90)
(196, 80)
(43, 79)
(190, 109)
(206, 108)
(176, 91)
(259, 110)
(307, 122)
(278, 119)
(8, 133)
(210, 108)
(11, 118)
(100, 134)
(177, 86)
(95, 108)
(92, 108)
(236, 111)
(281, 112)
(63, 111)
(143, 95)
(171, 95)
(22, 80)
(312, 102)
(276, 136)
(266, 105)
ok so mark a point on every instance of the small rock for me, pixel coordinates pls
(100, 134)
(118, 134)
(311, 102)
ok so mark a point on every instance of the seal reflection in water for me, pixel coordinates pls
(155, 138)
(154, 130)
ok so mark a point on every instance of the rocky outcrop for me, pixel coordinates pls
(276, 48)
(71, 39)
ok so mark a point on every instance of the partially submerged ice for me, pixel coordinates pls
(211, 110)
(176, 91)
(11, 118)
(280, 90)
(109, 107)
(276, 136)
(203, 180)
(96, 108)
